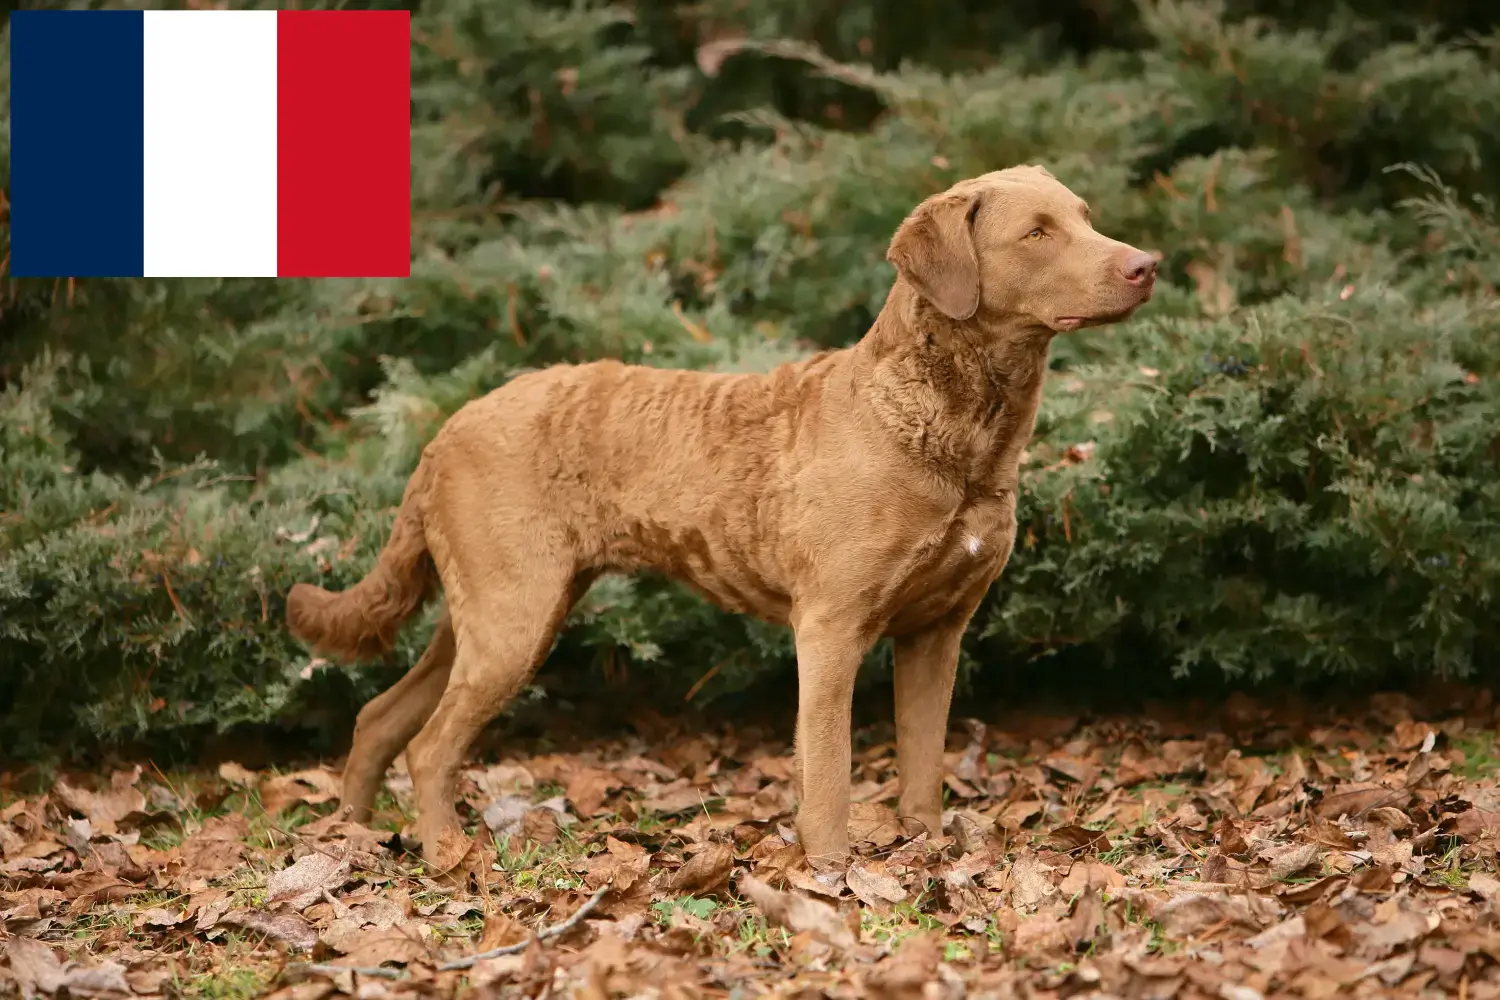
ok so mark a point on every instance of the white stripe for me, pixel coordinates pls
(210, 193)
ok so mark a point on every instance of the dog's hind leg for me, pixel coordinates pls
(504, 627)
(389, 721)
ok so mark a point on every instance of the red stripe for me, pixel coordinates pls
(343, 134)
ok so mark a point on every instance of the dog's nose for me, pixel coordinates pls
(1139, 268)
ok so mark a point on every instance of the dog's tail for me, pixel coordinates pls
(360, 623)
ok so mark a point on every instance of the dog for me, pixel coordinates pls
(856, 494)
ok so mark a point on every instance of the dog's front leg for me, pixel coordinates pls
(926, 664)
(829, 652)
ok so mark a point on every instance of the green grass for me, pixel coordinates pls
(1481, 758)
(228, 972)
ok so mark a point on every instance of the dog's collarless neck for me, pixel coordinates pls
(963, 396)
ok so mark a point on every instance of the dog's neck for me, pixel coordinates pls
(964, 395)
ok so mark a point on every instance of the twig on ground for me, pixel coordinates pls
(541, 935)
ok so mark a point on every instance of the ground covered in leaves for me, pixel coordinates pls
(1234, 853)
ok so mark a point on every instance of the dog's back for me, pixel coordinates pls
(642, 468)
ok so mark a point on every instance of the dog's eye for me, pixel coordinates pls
(1035, 234)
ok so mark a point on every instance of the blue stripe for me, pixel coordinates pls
(77, 143)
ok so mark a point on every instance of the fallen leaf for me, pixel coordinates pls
(873, 885)
(620, 866)
(875, 823)
(1486, 886)
(799, 914)
(218, 847)
(238, 774)
(1017, 814)
(1090, 874)
(303, 882)
(36, 968)
(376, 946)
(1356, 800)
(1029, 884)
(1376, 940)
(914, 972)
(105, 809)
(968, 833)
(705, 872)
(1087, 918)
(503, 816)
(539, 826)
(1191, 913)
(312, 787)
(1077, 838)
(588, 788)
(288, 927)
(500, 930)
(675, 799)
(1292, 860)
(158, 916)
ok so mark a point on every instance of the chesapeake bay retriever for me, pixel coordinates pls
(860, 493)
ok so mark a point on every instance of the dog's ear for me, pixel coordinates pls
(934, 250)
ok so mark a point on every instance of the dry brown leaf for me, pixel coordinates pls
(588, 788)
(1311, 892)
(36, 968)
(828, 882)
(290, 928)
(504, 815)
(799, 914)
(313, 787)
(501, 929)
(773, 867)
(218, 847)
(540, 826)
(968, 833)
(238, 774)
(1191, 913)
(1378, 922)
(1087, 919)
(874, 886)
(1090, 874)
(107, 808)
(1358, 799)
(1291, 860)
(378, 945)
(1377, 939)
(875, 823)
(679, 797)
(1029, 884)
(158, 916)
(915, 972)
(1073, 838)
(705, 872)
(303, 882)
(1017, 814)
(1047, 933)
(620, 866)
(1485, 885)
(505, 778)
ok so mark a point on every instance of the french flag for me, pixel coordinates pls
(210, 143)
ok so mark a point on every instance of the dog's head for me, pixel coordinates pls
(1017, 244)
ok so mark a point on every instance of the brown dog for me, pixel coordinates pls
(860, 493)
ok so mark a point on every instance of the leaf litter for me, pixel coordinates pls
(1251, 853)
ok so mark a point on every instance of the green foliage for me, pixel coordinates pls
(1283, 468)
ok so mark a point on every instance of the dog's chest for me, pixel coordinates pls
(982, 532)
(963, 555)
